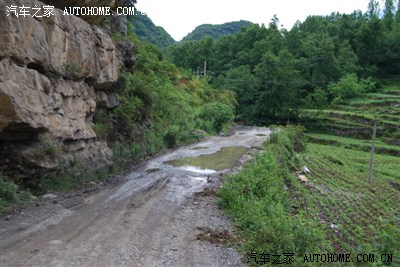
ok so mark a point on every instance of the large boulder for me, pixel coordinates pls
(31, 104)
(51, 69)
(58, 45)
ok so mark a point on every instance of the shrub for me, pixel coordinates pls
(11, 195)
(171, 136)
(218, 113)
(8, 190)
(318, 99)
(349, 86)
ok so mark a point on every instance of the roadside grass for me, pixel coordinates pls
(11, 196)
(272, 211)
(66, 178)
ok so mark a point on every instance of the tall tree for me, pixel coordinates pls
(388, 14)
(279, 84)
(373, 9)
(244, 84)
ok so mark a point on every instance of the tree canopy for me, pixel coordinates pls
(275, 71)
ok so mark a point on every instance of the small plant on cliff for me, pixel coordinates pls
(48, 150)
(73, 70)
(52, 150)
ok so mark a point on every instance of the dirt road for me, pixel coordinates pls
(151, 218)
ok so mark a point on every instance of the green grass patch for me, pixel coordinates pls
(269, 207)
(11, 196)
(69, 177)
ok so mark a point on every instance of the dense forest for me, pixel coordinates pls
(323, 60)
(147, 31)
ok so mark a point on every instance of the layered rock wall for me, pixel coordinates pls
(51, 69)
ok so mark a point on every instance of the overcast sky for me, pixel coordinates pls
(179, 17)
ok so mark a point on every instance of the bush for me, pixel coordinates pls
(171, 136)
(8, 190)
(349, 86)
(218, 113)
(11, 195)
(318, 99)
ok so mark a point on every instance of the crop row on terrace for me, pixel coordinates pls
(360, 217)
(353, 143)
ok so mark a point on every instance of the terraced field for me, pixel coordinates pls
(361, 217)
(355, 117)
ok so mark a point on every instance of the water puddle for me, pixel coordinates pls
(198, 148)
(153, 170)
(225, 158)
(197, 169)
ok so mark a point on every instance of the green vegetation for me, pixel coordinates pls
(146, 31)
(11, 196)
(337, 211)
(161, 107)
(354, 118)
(366, 215)
(273, 211)
(215, 31)
(276, 72)
(338, 155)
(68, 177)
(353, 143)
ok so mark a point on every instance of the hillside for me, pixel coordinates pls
(274, 72)
(215, 31)
(147, 31)
(337, 208)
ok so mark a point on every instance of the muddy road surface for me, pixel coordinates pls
(153, 217)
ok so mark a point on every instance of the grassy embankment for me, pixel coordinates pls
(337, 211)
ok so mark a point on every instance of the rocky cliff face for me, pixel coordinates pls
(82, 3)
(52, 72)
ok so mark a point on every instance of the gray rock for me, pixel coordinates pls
(49, 196)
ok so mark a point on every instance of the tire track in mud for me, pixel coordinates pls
(152, 218)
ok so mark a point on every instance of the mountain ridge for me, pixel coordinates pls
(147, 31)
(215, 30)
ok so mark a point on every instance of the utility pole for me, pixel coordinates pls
(198, 72)
(371, 162)
(205, 68)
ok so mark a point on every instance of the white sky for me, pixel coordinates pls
(179, 17)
